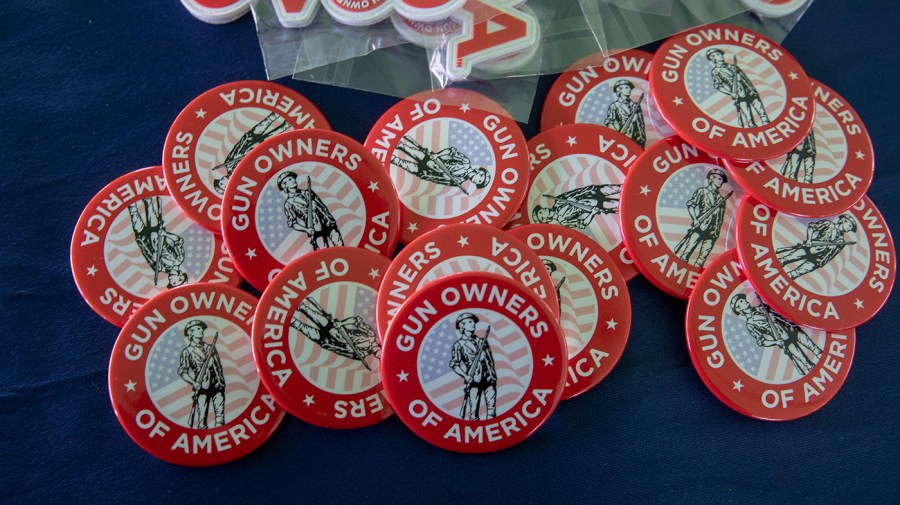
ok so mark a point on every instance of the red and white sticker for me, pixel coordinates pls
(677, 211)
(577, 172)
(427, 10)
(133, 242)
(594, 305)
(827, 173)
(302, 191)
(300, 13)
(454, 156)
(460, 248)
(754, 359)
(610, 90)
(314, 340)
(182, 379)
(426, 34)
(774, 8)
(217, 130)
(474, 362)
(359, 13)
(732, 92)
(831, 273)
(217, 11)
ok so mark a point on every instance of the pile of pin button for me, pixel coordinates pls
(472, 334)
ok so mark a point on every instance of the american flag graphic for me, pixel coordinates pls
(437, 200)
(831, 148)
(457, 264)
(512, 358)
(132, 272)
(577, 171)
(220, 136)
(596, 102)
(672, 214)
(718, 105)
(173, 396)
(839, 276)
(766, 364)
(336, 189)
(578, 308)
(327, 370)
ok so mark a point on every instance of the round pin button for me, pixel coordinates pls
(474, 362)
(461, 248)
(831, 273)
(217, 130)
(455, 156)
(133, 242)
(594, 305)
(611, 90)
(732, 92)
(677, 212)
(754, 359)
(315, 343)
(182, 379)
(576, 179)
(302, 191)
(827, 173)
(217, 11)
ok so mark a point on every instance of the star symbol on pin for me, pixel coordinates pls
(645, 190)
(548, 360)
(374, 273)
(793, 76)
(309, 400)
(860, 155)
(611, 324)
(403, 376)
(678, 100)
(463, 241)
(92, 270)
(413, 227)
(465, 107)
(737, 385)
(251, 253)
(201, 114)
(858, 303)
(571, 141)
(373, 186)
(129, 386)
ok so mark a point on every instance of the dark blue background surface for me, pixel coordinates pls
(89, 90)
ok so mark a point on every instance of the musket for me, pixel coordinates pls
(309, 206)
(632, 115)
(734, 97)
(443, 168)
(199, 379)
(561, 281)
(345, 337)
(578, 205)
(781, 343)
(812, 243)
(708, 212)
(475, 362)
(159, 241)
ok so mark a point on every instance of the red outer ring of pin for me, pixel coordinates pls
(274, 352)
(796, 300)
(138, 414)
(404, 275)
(720, 373)
(763, 179)
(599, 355)
(401, 376)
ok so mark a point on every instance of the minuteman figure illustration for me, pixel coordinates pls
(802, 156)
(707, 210)
(772, 330)
(576, 208)
(625, 115)
(448, 166)
(350, 337)
(252, 138)
(551, 269)
(731, 80)
(163, 250)
(471, 359)
(824, 241)
(307, 213)
(201, 367)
